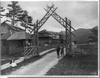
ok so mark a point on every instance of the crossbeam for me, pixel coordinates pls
(44, 19)
(61, 21)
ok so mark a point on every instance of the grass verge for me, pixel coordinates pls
(80, 64)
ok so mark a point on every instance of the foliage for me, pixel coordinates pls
(17, 14)
(88, 49)
(1, 10)
(25, 18)
(14, 9)
(94, 36)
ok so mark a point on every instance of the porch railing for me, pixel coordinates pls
(31, 51)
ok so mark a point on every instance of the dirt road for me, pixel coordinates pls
(39, 67)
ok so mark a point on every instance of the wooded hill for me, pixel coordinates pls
(82, 35)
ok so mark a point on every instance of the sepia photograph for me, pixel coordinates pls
(49, 38)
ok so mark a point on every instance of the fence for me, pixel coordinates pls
(30, 51)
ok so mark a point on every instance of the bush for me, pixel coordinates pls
(89, 48)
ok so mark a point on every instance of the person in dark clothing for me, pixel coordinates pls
(58, 50)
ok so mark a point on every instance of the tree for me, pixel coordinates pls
(25, 18)
(94, 35)
(14, 11)
(1, 10)
(16, 14)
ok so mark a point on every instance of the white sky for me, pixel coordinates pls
(83, 14)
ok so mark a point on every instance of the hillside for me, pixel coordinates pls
(81, 31)
(82, 34)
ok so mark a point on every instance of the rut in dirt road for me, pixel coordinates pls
(40, 67)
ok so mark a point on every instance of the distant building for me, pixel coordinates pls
(44, 37)
(48, 37)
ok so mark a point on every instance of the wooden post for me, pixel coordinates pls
(66, 36)
(34, 38)
(25, 33)
(37, 33)
(37, 38)
(70, 40)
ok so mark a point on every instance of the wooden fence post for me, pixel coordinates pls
(66, 36)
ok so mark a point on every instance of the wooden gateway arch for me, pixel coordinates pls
(65, 22)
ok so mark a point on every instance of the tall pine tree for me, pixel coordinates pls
(14, 11)
(25, 18)
(16, 14)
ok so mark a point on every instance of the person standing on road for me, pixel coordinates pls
(58, 50)
(62, 51)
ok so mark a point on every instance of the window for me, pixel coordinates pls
(20, 43)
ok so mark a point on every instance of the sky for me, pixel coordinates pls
(83, 14)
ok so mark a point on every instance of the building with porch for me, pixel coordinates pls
(18, 41)
(7, 30)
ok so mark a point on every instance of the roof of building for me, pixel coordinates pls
(54, 35)
(44, 31)
(19, 36)
(7, 35)
(11, 26)
(49, 32)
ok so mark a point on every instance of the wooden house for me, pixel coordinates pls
(18, 41)
(5, 27)
(4, 43)
(6, 30)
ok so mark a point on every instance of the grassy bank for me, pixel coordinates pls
(80, 64)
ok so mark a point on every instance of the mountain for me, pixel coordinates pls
(96, 27)
(81, 31)
(82, 34)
